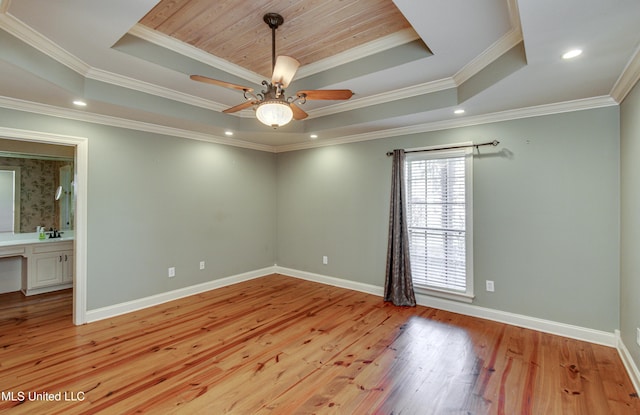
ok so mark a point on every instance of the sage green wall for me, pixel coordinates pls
(630, 222)
(546, 213)
(156, 201)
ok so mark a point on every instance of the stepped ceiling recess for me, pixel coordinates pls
(410, 64)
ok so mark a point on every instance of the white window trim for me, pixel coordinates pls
(468, 295)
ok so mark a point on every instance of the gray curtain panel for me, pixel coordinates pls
(398, 287)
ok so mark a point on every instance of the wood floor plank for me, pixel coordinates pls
(280, 345)
(548, 377)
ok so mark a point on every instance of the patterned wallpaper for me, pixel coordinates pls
(38, 182)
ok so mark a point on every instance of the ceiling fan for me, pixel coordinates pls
(272, 107)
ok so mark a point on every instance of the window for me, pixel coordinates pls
(439, 211)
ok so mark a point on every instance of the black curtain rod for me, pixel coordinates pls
(488, 143)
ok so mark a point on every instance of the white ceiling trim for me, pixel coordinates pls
(152, 89)
(493, 52)
(19, 29)
(384, 97)
(514, 14)
(185, 49)
(577, 105)
(43, 44)
(629, 77)
(76, 115)
(370, 48)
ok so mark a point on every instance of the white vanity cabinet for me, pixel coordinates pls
(49, 266)
(67, 266)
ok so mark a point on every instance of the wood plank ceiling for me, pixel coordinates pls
(234, 30)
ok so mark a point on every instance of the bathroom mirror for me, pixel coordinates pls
(43, 193)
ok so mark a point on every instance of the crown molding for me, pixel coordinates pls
(152, 89)
(76, 115)
(384, 97)
(497, 49)
(359, 52)
(535, 111)
(370, 48)
(493, 52)
(489, 55)
(628, 79)
(39, 42)
(514, 14)
(168, 42)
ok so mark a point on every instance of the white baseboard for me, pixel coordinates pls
(547, 326)
(521, 320)
(628, 362)
(134, 305)
(336, 282)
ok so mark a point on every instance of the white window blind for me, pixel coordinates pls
(438, 195)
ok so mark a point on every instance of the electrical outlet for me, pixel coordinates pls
(638, 336)
(201, 264)
(325, 260)
(490, 287)
(172, 272)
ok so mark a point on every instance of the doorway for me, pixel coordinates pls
(81, 151)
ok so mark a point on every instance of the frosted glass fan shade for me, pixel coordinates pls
(274, 113)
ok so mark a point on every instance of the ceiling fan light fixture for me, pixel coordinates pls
(272, 106)
(274, 113)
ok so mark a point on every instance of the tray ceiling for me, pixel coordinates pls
(410, 64)
(312, 30)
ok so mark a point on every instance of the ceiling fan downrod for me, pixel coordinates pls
(273, 20)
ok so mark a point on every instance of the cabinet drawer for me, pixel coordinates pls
(12, 251)
(52, 247)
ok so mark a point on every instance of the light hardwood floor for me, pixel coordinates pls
(279, 345)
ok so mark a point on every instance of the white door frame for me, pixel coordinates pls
(81, 145)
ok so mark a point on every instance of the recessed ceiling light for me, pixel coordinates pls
(459, 111)
(228, 133)
(313, 136)
(79, 103)
(572, 54)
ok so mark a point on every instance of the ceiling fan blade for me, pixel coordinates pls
(285, 70)
(239, 107)
(207, 80)
(298, 113)
(330, 94)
